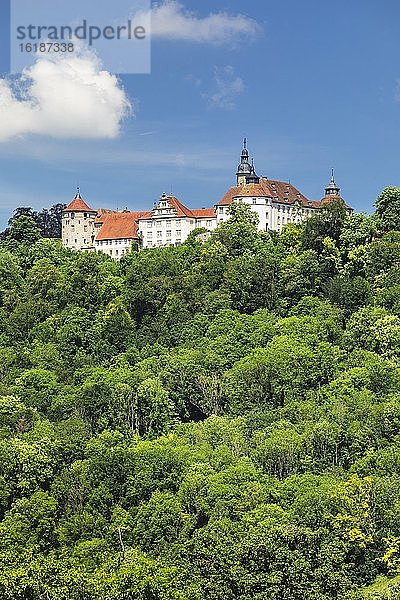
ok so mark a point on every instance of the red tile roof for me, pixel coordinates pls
(279, 191)
(114, 225)
(202, 213)
(101, 212)
(121, 225)
(286, 193)
(326, 199)
(246, 191)
(181, 209)
(78, 204)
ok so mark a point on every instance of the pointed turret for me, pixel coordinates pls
(78, 204)
(332, 193)
(332, 189)
(246, 172)
(253, 177)
(244, 168)
(245, 152)
(78, 224)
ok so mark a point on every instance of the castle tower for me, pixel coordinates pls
(244, 168)
(253, 177)
(332, 189)
(78, 225)
(246, 172)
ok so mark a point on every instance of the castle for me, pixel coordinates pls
(170, 222)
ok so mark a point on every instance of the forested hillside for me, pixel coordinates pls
(214, 421)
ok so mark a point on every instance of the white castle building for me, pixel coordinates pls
(170, 222)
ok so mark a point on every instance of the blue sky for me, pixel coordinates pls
(313, 85)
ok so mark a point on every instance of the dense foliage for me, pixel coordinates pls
(213, 421)
(48, 221)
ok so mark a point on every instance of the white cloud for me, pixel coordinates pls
(171, 21)
(227, 87)
(70, 97)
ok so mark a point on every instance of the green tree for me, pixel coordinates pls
(239, 233)
(253, 280)
(387, 209)
(327, 223)
(23, 230)
(153, 411)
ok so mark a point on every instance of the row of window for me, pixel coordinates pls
(162, 210)
(289, 209)
(307, 211)
(178, 233)
(75, 241)
(206, 223)
(72, 216)
(166, 221)
(73, 228)
(73, 224)
(288, 220)
(177, 222)
(113, 242)
(160, 243)
(115, 252)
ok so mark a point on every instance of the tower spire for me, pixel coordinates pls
(244, 157)
(332, 189)
(78, 194)
(244, 168)
(246, 171)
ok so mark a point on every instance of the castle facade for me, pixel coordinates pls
(276, 203)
